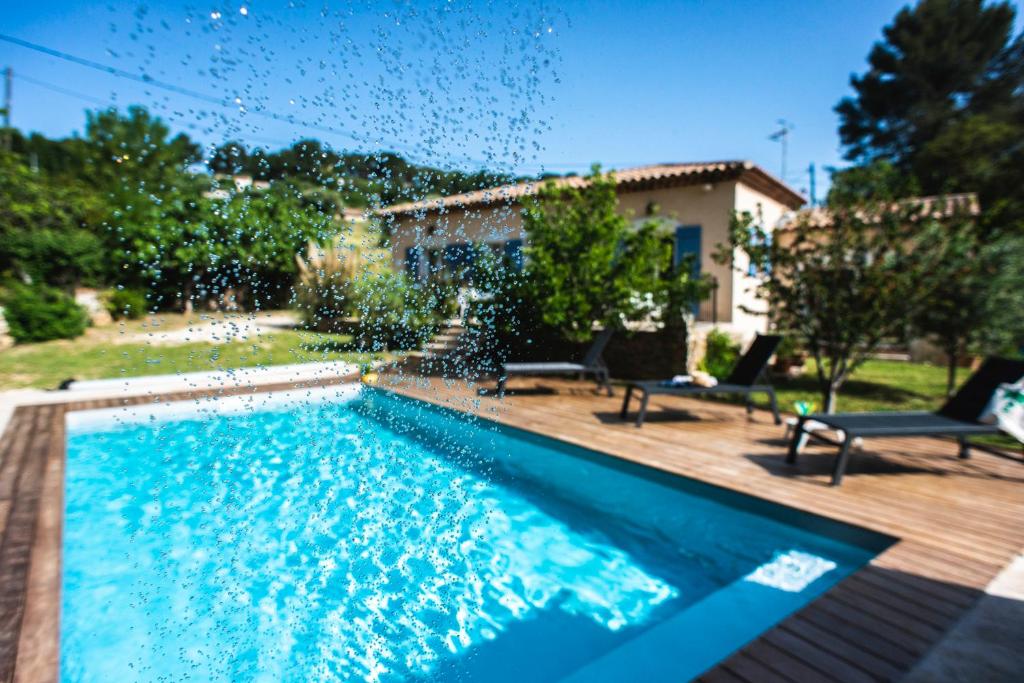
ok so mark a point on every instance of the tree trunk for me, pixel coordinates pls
(186, 294)
(830, 399)
(951, 358)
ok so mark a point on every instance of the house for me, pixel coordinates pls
(695, 200)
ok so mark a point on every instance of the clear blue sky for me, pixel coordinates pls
(524, 88)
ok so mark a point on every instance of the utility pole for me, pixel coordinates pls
(814, 200)
(782, 135)
(8, 77)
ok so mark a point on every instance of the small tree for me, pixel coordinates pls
(978, 298)
(587, 264)
(845, 283)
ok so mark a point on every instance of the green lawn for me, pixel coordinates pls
(100, 356)
(876, 385)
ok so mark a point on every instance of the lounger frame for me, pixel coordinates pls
(648, 389)
(961, 431)
(592, 365)
(959, 418)
(748, 377)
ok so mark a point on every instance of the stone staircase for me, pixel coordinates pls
(445, 342)
(444, 355)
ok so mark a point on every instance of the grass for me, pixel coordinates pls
(125, 351)
(875, 385)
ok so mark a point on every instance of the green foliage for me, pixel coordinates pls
(394, 313)
(42, 237)
(355, 179)
(978, 297)
(943, 100)
(127, 304)
(587, 265)
(878, 181)
(843, 285)
(40, 313)
(720, 354)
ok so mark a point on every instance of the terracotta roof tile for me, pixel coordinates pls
(935, 206)
(641, 176)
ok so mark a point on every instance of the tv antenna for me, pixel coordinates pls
(782, 136)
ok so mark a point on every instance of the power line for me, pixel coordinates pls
(62, 90)
(209, 99)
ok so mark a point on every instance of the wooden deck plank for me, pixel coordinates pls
(957, 522)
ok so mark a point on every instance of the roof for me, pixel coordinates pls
(934, 206)
(628, 180)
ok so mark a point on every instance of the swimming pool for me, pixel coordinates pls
(353, 534)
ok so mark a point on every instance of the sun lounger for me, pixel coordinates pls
(592, 364)
(744, 378)
(959, 417)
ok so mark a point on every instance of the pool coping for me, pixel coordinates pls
(32, 450)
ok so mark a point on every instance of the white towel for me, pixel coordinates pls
(1008, 409)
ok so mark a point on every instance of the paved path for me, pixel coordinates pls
(219, 328)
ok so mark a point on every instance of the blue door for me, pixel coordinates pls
(457, 260)
(688, 249)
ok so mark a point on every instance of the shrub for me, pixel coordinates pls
(324, 299)
(125, 303)
(393, 312)
(40, 313)
(720, 354)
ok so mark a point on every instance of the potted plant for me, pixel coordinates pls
(367, 373)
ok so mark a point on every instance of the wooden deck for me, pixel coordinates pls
(959, 522)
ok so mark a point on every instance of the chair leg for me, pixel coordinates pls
(965, 448)
(501, 385)
(606, 382)
(796, 441)
(841, 461)
(643, 410)
(775, 406)
(625, 402)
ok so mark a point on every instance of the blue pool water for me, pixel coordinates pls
(368, 537)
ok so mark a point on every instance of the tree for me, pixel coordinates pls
(586, 264)
(844, 283)
(943, 101)
(134, 152)
(230, 158)
(44, 227)
(977, 301)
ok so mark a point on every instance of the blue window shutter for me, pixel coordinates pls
(414, 262)
(514, 253)
(688, 243)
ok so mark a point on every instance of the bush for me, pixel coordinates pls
(125, 303)
(720, 354)
(393, 312)
(40, 313)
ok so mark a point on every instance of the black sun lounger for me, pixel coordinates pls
(742, 380)
(958, 417)
(592, 364)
